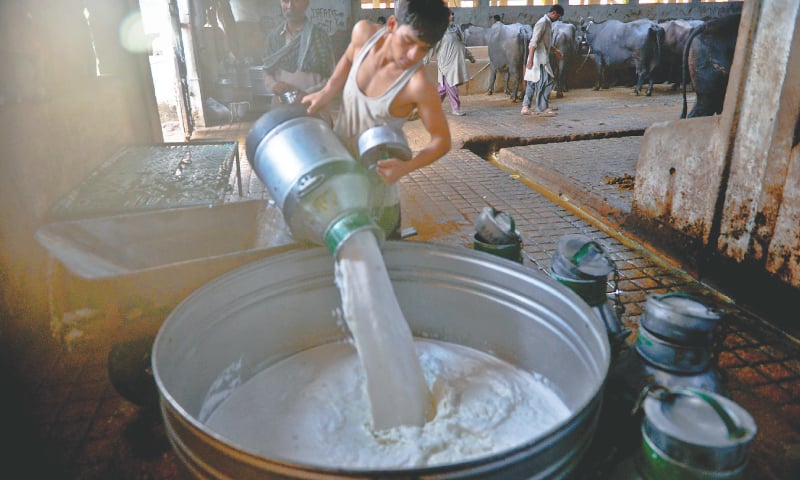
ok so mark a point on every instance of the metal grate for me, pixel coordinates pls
(148, 177)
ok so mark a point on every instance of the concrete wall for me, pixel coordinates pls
(60, 119)
(730, 182)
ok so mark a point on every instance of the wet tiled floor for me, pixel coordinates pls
(74, 424)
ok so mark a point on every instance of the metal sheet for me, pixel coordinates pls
(125, 244)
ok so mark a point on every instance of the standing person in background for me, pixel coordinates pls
(298, 55)
(450, 53)
(381, 83)
(538, 74)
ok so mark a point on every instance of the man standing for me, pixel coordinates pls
(298, 54)
(381, 83)
(538, 74)
(450, 55)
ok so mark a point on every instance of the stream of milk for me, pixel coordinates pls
(395, 385)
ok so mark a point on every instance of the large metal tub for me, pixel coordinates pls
(232, 328)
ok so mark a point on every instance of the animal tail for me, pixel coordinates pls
(685, 65)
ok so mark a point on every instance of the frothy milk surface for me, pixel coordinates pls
(312, 408)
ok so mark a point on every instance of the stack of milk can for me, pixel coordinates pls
(675, 341)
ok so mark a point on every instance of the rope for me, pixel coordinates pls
(479, 72)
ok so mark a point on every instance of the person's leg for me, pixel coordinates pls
(452, 92)
(543, 88)
(526, 99)
(440, 88)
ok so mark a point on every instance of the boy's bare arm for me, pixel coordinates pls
(421, 93)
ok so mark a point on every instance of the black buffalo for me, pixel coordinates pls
(615, 43)
(475, 36)
(508, 45)
(676, 32)
(565, 39)
(707, 60)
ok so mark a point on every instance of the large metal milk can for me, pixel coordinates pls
(321, 189)
(582, 265)
(693, 434)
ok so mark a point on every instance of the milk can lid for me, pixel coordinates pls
(580, 255)
(700, 418)
(682, 304)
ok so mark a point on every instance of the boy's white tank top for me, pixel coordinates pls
(360, 112)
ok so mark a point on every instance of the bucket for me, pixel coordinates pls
(511, 251)
(232, 328)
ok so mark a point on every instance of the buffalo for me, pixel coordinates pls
(676, 32)
(475, 36)
(564, 39)
(616, 43)
(707, 60)
(508, 46)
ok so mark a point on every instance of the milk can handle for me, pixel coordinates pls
(584, 250)
(512, 227)
(735, 430)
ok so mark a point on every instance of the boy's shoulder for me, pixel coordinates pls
(363, 30)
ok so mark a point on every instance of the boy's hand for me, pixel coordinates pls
(391, 169)
(316, 101)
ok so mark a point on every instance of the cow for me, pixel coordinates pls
(707, 60)
(508, 45)
(563, 38)
(615, 43)
(675, 34)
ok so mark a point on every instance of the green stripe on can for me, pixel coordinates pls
(345, 226)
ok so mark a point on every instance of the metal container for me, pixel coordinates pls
(579, 257)
(321, 190)
(708, 380)
(232, 328)
(671, 356)
(693, 434)
(381, 142)
(290, 97)
(511, 251)
(581, 264)
(496, 227)
(680, 318)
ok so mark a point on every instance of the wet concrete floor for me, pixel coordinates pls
(74, 424)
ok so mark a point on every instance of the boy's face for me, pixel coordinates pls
(406, 47)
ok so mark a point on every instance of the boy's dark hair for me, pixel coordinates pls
(497, 18)
(429, 18)
(557, 8)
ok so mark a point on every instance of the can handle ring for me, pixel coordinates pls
(735, 430)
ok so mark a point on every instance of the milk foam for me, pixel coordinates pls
(312, 408)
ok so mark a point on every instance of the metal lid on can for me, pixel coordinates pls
(382, 142)
(496, 227)
(679, 317)
(697, 428)
(578, 256)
